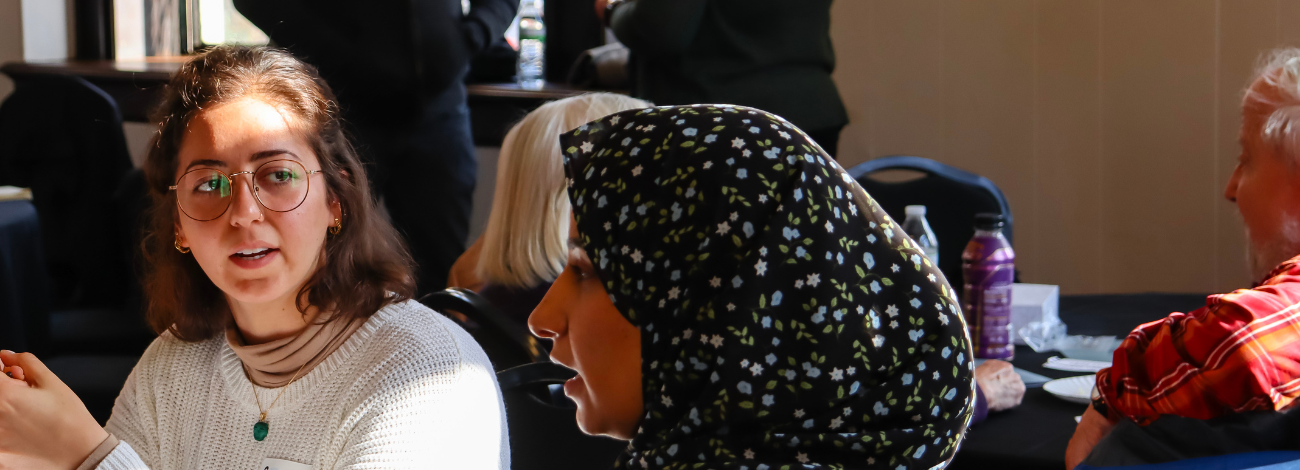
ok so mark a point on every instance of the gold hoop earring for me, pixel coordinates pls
(338, 225)
(178, 246)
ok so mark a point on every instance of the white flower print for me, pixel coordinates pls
(851, 370)
(586, 147)
(738, 143)
(894, 268)
(636, 171)
(746, 153)
(749, 454)
(892, 311)
(893, 324)
(736, 215)
(798, 413)
(878, 341)
(650, 128)
(762, 251)
(687, 333)
(784, 135)
(715, 282)
(716, 341)
(625, 248)
(830, 228)
(762, 198)
(837, 374)
(608, 226)
(798, 283)
(667, 401)
(613, 121)
(757, 369)
(708, 164)
(731, 307)
(814, 279)
(674, 292)
(801, 457)
(760, 267)
(836, 422)
(723, 228)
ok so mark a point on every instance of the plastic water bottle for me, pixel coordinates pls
(531, 70)
(919, 229)
(988, 266)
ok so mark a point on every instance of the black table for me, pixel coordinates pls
(1035, 434)
(24, 286)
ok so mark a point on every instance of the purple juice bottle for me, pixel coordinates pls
(988, 268)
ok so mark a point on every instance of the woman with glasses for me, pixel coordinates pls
(734, 300)
(287, 335)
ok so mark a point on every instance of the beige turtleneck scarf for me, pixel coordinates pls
(273, 364)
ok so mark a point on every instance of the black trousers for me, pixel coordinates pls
(425, 173)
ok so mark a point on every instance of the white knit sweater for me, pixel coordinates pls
(409, 389)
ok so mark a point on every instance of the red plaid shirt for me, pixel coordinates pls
(1239, 352)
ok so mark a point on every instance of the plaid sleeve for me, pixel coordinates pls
(1240, 352)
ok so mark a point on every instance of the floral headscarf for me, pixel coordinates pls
(785, 318)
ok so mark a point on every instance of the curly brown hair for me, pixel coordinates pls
(366, 265)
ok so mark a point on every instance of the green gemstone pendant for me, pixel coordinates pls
(261, 428)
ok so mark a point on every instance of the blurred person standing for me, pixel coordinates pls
(773, 55)
(398, 69)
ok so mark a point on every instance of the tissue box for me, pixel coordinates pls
(1031, 303)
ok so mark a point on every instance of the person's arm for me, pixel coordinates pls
(1229, 356)
(658, 27)
(1091, 429)
(487, 22)
(451, 419)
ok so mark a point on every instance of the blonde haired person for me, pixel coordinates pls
(524, 247)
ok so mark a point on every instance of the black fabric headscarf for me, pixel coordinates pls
(785, 319)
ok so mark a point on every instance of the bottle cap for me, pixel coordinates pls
(914, 210)
(989, 221)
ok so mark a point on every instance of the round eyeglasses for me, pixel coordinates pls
(279, 185)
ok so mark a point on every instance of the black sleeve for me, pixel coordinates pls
(416, 43)
(658, 27)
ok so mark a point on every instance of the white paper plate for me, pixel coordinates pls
(1073, 389)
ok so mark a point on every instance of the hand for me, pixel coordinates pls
(600, 9)
(42, 422)
(1091, 429)
(1002, 386)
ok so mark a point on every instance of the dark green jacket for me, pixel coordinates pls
(774, 55)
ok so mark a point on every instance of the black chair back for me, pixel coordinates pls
(507, 343)
(544, 433)
(62, 137)
(952, 197)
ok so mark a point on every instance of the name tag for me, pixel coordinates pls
(277, 464)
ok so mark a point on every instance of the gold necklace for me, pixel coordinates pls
(262, 427)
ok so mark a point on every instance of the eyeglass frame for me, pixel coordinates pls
(252, 182)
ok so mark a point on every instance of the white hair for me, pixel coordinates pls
(1277, 102)
(526, 241)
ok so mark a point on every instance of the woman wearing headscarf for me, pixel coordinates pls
(733, 298)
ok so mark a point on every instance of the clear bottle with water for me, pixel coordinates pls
(531, 70)
(916, 227)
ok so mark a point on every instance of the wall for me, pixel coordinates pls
(1111, 125)
(11, 39)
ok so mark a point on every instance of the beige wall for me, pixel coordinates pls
(1111, 125)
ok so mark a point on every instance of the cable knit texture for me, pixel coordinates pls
(409, 389)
